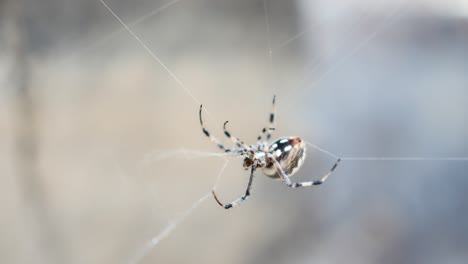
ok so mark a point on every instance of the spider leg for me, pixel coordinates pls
(288, 182)
(268, 130)
(239, 200)
(239, 143)
(212, 138)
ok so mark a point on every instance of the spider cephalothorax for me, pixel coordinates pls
(248, 161)
(281, 159)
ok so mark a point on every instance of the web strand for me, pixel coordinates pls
(153, 242)
(167, 230)
(269, 45)
(317, 60)
(297, 36)
(388, 158)
(188, 154)
(387, 21)
(323, 150)
(143, 44)
(268, 29)
(109, 36)
(405, 158)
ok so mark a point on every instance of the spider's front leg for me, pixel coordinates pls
(239, 200)
(240, 144)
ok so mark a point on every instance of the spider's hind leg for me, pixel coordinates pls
(288, 182)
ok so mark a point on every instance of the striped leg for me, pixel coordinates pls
(239, 143)
(239, 200)
(288, 182)
(211, 137)
(268, 130)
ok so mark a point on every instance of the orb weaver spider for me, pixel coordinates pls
(281, 159)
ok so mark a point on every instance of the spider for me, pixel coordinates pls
(280, 160)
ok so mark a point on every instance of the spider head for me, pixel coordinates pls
(290, 152)
(248, 161)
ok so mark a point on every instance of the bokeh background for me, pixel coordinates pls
(101, 149)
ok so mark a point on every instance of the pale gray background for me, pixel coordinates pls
(87, 116)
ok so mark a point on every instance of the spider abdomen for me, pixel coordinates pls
(290, 152)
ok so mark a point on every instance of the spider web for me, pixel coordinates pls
(389, 19)
(162, 180)
(387, 22)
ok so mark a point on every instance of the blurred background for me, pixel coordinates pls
(101, 148)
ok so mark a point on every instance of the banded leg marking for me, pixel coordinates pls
(288, 182)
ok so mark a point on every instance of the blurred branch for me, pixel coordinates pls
(26, 143)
